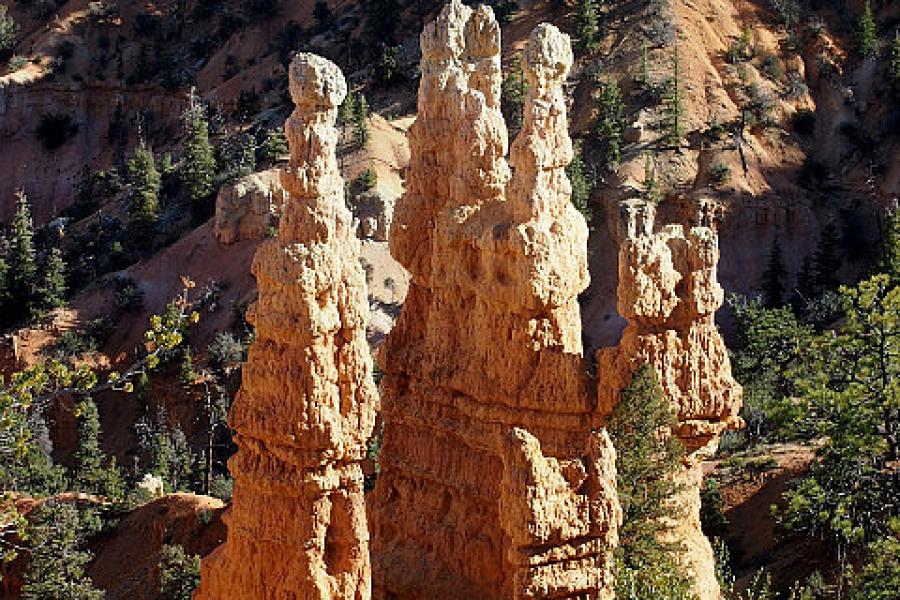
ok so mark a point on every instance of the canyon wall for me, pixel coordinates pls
(495, 481)
(669, 294)
(297, 523)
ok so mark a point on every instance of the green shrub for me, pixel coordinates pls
(179, 573)
(9, 31)
(770, 66)
(367, 180)
(719, 173)
(16, 62)
(128, 297)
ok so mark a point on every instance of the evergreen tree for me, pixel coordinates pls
(361, 122)
(866, 38)
(198, 162)
(587, 25)
(56, 569)
(23, 279)
(143, 195)
(644, 77)
(879, 578)
(826, 260)
(674, 104)
(53, 293)
(92, 475)
(9, 31)
(274, 146)
(648, 458)
(851, 386)
(611, 122)
(581, 186)
(4, 280)
(890, 248)
(773, 277)
(179, 573)
(347, 109)
(512, 96)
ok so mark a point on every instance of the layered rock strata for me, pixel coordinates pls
(495, 482)
(669, 294)
(297, 523)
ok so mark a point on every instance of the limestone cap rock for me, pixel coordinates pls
(316, 81)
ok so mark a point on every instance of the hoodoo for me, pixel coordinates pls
(669, 294)
(494, 483)
(297, 523)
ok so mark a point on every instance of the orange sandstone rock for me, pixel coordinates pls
(297, 523)
(494, 483)
(669, 293)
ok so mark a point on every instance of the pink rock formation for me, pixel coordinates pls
(494, 483)
(297, 523)
(669, 293)
(248, 208)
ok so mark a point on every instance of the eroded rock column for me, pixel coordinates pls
(493, 482)
(669, 294)
(297, 523)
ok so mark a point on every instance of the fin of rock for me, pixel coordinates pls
(494, 481)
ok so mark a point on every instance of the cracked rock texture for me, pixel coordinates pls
(246, 209)
(495, 482)
(669, 294)
(297, 523)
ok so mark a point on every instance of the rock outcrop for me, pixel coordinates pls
(669, 294)
(246, 209)
(495, 482)
(297, 523)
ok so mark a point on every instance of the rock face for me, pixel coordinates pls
(669, 294)
(297, 523)
(496, 481)
(246, 209)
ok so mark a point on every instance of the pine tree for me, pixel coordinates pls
(850, 388)
(23, 279)
(4, 281)
(866, 38)
(773, 277)
(644, 77)
(274, 146)
(826, 260)
(347, 109)
(56, 569)
(198, 163)
(890, 248)
(611, 122)
(179, 573)
(674, 104)
(512, 96)
(648, 458)
(92, 475)
(587, 25)
(361, 122)
(53, 293)
(9, 31)
(581, 186)
(143, 195)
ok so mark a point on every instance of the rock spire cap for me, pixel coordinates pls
(316, 82)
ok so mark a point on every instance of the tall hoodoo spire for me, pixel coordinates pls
(297, 522)
(493, 482)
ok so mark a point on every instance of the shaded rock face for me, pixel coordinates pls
(669, 294)
(297, 523)
(246, 209)
(497, 481)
